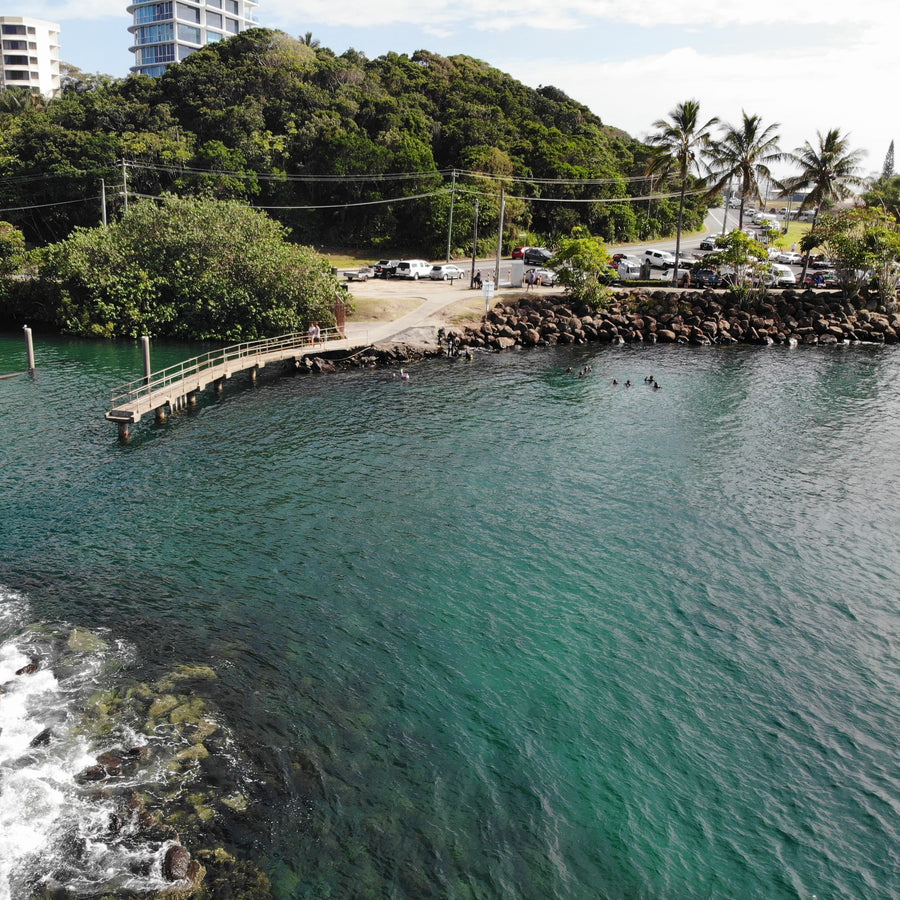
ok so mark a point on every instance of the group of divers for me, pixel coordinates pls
(453, 349)
(587, 370)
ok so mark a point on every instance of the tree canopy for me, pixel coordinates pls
(188, 268)
(343, 150)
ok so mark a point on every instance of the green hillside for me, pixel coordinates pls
(344, 150)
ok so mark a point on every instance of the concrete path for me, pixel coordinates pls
(433, 297)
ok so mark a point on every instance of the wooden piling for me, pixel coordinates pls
(29, 349)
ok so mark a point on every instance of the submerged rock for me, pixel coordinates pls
(83, 641)
(176, 863)
(42, 739)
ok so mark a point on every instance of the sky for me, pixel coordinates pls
(808, 65)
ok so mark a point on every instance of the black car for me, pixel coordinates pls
(384, 268)
(536, 256)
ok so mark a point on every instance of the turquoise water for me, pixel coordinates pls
(499, 631)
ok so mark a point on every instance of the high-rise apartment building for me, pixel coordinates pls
(30, 54)
(168, 31)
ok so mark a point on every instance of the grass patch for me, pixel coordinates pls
(465, 311)
(382, 309)
(796, 230)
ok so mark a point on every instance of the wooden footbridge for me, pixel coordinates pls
(173, 388)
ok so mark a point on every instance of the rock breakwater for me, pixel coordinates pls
(684, 317)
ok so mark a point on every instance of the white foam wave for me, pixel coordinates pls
(53, 829)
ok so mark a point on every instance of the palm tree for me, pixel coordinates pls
(744, 152)
(679, 144)
(828, 172)
(310, 41)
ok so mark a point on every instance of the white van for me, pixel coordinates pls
(412, 268)
(781, 275)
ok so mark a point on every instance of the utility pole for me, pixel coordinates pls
(474, 246)
(727, 207)
(125, 185)
(499, 239)
(103, 201)
(450, 225)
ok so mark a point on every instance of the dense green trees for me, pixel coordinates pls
(864, 244)
(199, 269)
(582, 262)
(341, 149)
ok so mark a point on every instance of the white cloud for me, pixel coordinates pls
(575, 14)
(806, 89)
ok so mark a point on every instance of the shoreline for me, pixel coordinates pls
(660, 316)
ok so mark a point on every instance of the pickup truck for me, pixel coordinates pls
(362, 274)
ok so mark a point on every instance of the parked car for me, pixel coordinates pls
(545, 276)
(789, 258)
(782, 275)
(705, 278)
(536, 256)
(820, 278)
(820, 262)
(384, 268)
(413, 268)
(660, 259)
(629, 269)
(518, 252)
(628, 258)
(708, 243)
(446, 272)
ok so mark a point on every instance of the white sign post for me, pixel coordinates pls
(487, 291)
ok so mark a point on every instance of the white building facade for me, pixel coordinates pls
(30, 54)
(167, 31)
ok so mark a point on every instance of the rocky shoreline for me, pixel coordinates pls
(687, 317)
(702, 318)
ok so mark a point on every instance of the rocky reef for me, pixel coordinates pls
(154, 796)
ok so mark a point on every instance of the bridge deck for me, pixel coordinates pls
(173, 386)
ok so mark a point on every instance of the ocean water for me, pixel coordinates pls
(495, 631)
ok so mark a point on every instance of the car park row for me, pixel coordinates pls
(624, 267)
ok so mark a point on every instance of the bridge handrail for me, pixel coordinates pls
(144, 387)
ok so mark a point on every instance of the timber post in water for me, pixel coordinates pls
(29, 349)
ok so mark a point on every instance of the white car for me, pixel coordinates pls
(412, 268)
(789, 258)
(446, 272)
(777, 275)
(660, 259)
(544, 276)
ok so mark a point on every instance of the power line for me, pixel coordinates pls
(385, 176)
(361, 202)
(44, 205)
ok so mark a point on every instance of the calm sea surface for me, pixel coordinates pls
(496, 631)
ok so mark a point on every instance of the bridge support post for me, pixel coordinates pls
(192, 398)
(162, 414)
(254, 371)
(219, 385)
(124, 433)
